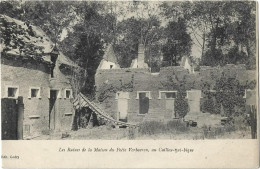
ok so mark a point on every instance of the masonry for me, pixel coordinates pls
(41, 81)
(119, 90)
(25, 76)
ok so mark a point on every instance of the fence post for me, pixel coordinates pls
(20, 117)
(253, 121)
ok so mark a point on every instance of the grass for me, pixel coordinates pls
(155, 127)
(177, 129)
(131, 133)
(155, 130)
(223, 131)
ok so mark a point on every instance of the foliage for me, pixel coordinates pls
(127, 47)
(227, 94)
(10, 8)
(87, 55)
(217, 27)
(155, 127)
(51, 17)
(208, 105)
(82, 119)
(13, 38)
(224, 32)
(86, 46)
(181, 106)
(213, 58)
(230, 94)
(178, 42)
(227, 30)
(109, 89)
(134, 31)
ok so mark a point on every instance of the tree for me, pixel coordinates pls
(130, 36)
(144, 26)
(11, 8)
(178, 42)
(229, 26)
(127, 46)
(86, 42)
(243, 32)
(89, 54)
(51, 17)
(218, 27)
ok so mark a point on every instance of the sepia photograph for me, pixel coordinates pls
(129, 70)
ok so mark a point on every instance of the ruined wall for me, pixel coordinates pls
(172, 78)
(109, 82)
(25, 75)
(211, 74)
(65, 111)
(31, 74)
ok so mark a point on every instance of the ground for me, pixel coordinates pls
(107, 133)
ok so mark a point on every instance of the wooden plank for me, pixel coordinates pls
(76, 103)
(75, 100)
(83, 104)
(99, 112)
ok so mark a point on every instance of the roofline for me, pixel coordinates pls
(22, 57)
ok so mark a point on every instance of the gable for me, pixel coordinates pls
(110, 54)
(107, 65)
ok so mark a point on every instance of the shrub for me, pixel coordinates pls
(151, 127)
(241, 122)
(229, 93)
(181, 106)
(209, 102)
(208, 105)
(176, 125)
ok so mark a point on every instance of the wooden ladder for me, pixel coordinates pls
(82, 101)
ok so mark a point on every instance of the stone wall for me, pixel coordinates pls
(109, 82)
(65, 107)
(36, 110)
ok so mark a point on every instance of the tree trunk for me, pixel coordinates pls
(203, 43)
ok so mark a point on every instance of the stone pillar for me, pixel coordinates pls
(20, 117)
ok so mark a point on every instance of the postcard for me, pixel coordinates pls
(129, 84)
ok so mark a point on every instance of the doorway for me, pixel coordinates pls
(122, 105)
(143, 103)
(53, 109)
(170, 97)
